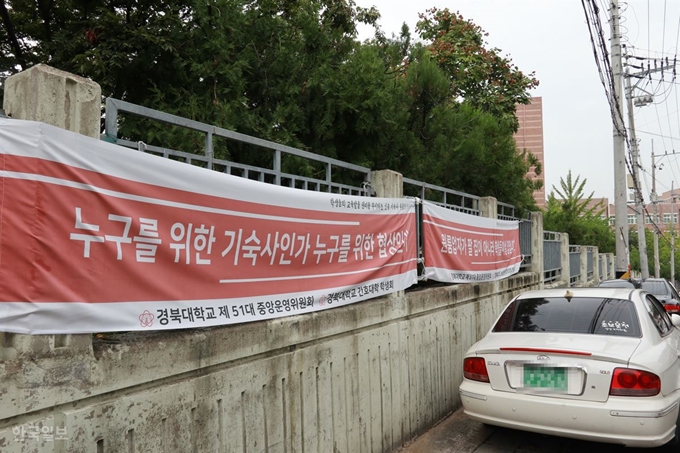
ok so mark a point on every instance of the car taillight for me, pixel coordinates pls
(672, 308)
(627, 382)
(474, 369)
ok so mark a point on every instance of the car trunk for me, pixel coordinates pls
(555, 364)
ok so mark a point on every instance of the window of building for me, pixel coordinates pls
(632, 219)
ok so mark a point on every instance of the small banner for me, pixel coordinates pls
(95, 237)
(463, 248)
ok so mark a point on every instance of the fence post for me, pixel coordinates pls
(537, 264)
(387, 184)
(583, 275)
(43, 93)
(390, 184)
(596, 266)
(488, 207)
(565, 272)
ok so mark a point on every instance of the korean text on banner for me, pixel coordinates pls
(95, 237)
(462, 248)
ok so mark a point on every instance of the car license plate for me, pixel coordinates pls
(545, 377)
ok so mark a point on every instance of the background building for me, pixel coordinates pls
(529, 136)
(667, 212)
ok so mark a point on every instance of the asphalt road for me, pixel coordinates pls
(459, 434)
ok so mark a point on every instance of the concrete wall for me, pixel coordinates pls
(362, 378)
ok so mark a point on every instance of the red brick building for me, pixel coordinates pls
(530, 137)
(667, 212)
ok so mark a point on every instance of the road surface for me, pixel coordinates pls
(459, 434)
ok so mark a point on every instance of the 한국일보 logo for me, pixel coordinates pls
(146, 319)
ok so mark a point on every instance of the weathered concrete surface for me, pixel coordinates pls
(43, 93)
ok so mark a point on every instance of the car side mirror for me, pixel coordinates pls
(675, 318)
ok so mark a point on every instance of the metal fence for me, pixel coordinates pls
(274, 175)
(442, 196)
(600, 268)
(574, 263)
(525, 240)
(552, 256)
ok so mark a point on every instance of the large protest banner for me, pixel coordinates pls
(95, 237)
(463, 248)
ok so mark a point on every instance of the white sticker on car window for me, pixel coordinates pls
(617, 326)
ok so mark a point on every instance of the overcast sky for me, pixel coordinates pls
(551, 38)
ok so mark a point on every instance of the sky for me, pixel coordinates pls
(551, 38)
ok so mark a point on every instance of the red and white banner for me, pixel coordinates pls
(95, 237)
(463, 248)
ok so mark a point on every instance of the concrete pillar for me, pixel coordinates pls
(71, 102)
(583, 275)
(387, 184)
(390, 184)
(564, 257)
(55, 97)
(488, 207)
(537, 264)
(596, 266)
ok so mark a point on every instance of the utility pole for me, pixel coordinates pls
(655, 203)
(639, 202)
(672, 234)
(620, 189)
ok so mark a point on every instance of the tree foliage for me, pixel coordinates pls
(665, 242)
(568, 210)
(440, 109)
(479, 75)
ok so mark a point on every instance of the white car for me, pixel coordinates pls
(597, 364)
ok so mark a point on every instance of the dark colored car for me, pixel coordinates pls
(620, 283)
(663, 290)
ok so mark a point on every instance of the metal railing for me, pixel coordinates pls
(552, 256)
(506, 211)
(525, 239)
(274, 175)
(448, 198)
(574, 263)
(600, 268)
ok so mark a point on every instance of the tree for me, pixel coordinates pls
(479, 75)
(569, 211)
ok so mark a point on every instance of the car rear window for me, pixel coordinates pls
(656, 288)
(616, 284)
(587, 315)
